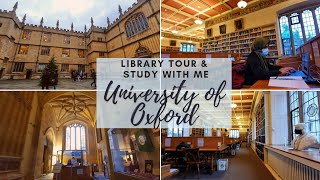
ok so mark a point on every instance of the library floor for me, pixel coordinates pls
(98, 176)
(63, 84)
(245, 165)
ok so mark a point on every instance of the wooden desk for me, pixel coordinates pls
(78, 172)
(169, 174)
(220, 149)
(209, 151)
(263, 85)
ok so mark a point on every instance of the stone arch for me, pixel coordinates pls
(48, 148)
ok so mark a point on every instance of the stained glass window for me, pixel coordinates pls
(294, 109)
(311, 112)
(305, 106)
(308, 24)
(75, 137)
(297, 28)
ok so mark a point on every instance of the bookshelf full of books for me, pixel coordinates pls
(260, 128)
(240, 41)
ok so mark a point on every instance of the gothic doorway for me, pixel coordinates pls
(47, 156)
(29, 74)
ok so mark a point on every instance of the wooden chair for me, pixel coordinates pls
(192, 157)
(168, 160)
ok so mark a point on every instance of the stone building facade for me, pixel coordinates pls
(25, 49)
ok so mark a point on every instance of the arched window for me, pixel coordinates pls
(298, 27)
(75, 137)
(131, 29)
(127, 30)
(145, 21)
(136, 24)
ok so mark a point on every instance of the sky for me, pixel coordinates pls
(67, 11)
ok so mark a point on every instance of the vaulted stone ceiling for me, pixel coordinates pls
(68, 106)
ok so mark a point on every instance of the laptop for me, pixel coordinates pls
(305, 72)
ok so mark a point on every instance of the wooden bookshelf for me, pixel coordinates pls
(240, 42)
(260, 128)
(249, 137)
(198, 132)
(170, 49)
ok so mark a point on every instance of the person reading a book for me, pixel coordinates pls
(258, 67)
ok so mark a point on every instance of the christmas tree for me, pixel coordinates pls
(52, 67)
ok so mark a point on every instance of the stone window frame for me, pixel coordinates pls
(25, 51)
(65, 55)
(64, 68)
(45, 50)
(81, 41)
(48, 39)
(41, 67)
(26, 34)
(18, 67)
(82, 52)
(136, 24)
(81, 67)
(67, 39)
(84, 130)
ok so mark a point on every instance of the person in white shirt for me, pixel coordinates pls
(304, 140)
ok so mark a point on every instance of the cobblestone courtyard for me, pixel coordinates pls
(64, 84)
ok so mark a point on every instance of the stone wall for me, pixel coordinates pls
(111, 41)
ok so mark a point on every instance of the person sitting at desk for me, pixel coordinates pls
(183, 145)
(258, 67)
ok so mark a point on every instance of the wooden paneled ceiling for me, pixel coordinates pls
(181, 14)
(241, 114)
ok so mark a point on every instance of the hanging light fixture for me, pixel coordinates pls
(242, 4)
(190, 41)
(175, 30)
(198, 21)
